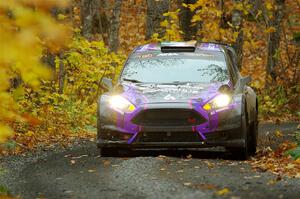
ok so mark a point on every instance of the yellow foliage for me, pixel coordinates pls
(5, 131)
(56, 117)
(171, 26)
(26, 29)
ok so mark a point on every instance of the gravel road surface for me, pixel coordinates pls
(80, 172)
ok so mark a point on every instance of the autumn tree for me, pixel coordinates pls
(113, 38)
(90, 17)
(26, 30)
(102, 17)
(185, 17)
(274, 38)
(237, 22)
(155, 15)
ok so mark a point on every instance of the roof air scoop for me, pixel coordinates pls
(171, 47)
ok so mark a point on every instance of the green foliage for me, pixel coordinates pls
(3, 190)
(278, 101)
(295, 153)
(297, 135)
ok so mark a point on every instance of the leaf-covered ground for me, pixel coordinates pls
(80, 172)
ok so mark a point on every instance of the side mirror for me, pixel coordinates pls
(106, 83)
(225, 89)
(245, 80)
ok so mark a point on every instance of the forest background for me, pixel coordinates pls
(54, 53)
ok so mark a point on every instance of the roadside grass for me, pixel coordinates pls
(295, 153)
(3, 191)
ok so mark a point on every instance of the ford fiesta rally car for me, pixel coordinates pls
(179, 95)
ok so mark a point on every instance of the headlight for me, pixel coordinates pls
(219, 101)
(121, 104)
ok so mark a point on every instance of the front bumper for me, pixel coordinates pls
(220, 128)
(177, 138)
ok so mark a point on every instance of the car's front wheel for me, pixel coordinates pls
(108, 151)
(243, 152)
(253, 139)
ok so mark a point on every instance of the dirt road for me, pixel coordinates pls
(79, 172)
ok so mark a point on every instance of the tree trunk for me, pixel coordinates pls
(223, 21)
(237, 22)
(90, 17)
(104, 20)
(61, 74)
(113, 38)
(185, 17)
(155, 11)
(274, 40)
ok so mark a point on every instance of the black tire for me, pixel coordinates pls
(253, 137)
(108, 152)
(242, 153)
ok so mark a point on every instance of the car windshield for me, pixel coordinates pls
(206, 67)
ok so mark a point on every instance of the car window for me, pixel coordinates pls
(232, 68)
(177, 67)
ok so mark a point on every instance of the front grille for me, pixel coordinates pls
(168, 137)
(168, 117)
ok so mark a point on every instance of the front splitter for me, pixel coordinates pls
(124, 144)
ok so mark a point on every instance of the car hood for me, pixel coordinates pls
(159, 93)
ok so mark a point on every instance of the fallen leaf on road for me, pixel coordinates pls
(67, 191)
(278, 134)
(91, 170)
(206, 186)
(272, 182)
(248, 177)
(209, 164)
(222, 192)
(78, 157)
(232, 164)
(189, 156)
(235, 197)
(277, 162)
(161, 157)
(106, 162)
(290, 166)
(278, 178)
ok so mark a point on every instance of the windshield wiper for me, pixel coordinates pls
(131, 80)
(177, 83)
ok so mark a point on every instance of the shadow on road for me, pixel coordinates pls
(181, 153)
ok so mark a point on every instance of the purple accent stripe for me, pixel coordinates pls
(132, 138)
(202, 136)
